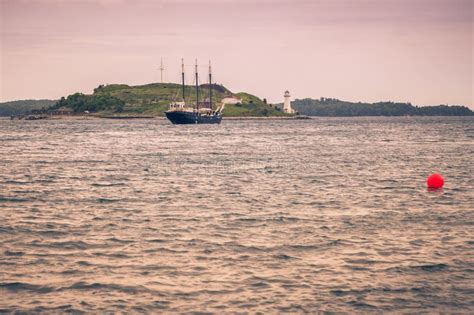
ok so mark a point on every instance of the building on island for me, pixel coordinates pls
(287, 103)
(231, 100)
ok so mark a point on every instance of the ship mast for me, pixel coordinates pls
(197, 86)
(210, 85)
(182, 78)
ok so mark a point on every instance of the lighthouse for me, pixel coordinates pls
(287, 105)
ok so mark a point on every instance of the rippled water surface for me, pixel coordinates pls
(250, 216)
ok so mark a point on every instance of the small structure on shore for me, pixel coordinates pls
(286, 106)
(231, 100)
(287, 103)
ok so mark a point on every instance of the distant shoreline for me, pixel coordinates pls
(224, 118)
(248, 118)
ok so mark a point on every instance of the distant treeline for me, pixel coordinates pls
(335, 107)
(78, 102)
(154, 99)
(23, 106)
(92, 103)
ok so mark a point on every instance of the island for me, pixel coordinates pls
(152, 100)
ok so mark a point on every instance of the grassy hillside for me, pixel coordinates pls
(23, 106)
(154, 99)
(251, 106)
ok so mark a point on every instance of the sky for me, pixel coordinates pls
(418, 51)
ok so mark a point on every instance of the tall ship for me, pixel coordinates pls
(198, 112)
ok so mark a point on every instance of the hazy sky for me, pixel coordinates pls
(360, 50)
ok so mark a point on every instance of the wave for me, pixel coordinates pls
(13, 253)
(418, 268)
(21, 286)
(283, 257)
(117, 240)
(106, 286)
(15, 199)
(65, 245)
(431, 267)
(107, 185)
(16, 182)
(106, 200)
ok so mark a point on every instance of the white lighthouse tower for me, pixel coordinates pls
(287, 105)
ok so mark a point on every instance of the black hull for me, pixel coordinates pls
(182, 117)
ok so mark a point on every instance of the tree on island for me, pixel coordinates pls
(92, 103)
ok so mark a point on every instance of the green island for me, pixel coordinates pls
(152, 100)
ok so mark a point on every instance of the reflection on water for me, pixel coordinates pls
(327, 214)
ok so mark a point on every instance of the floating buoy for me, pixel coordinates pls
(435, 181)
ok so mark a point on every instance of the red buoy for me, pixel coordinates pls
(435, 181)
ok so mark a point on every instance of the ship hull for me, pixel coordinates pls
(184, 117)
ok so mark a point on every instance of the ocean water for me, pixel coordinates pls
(328, 214)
